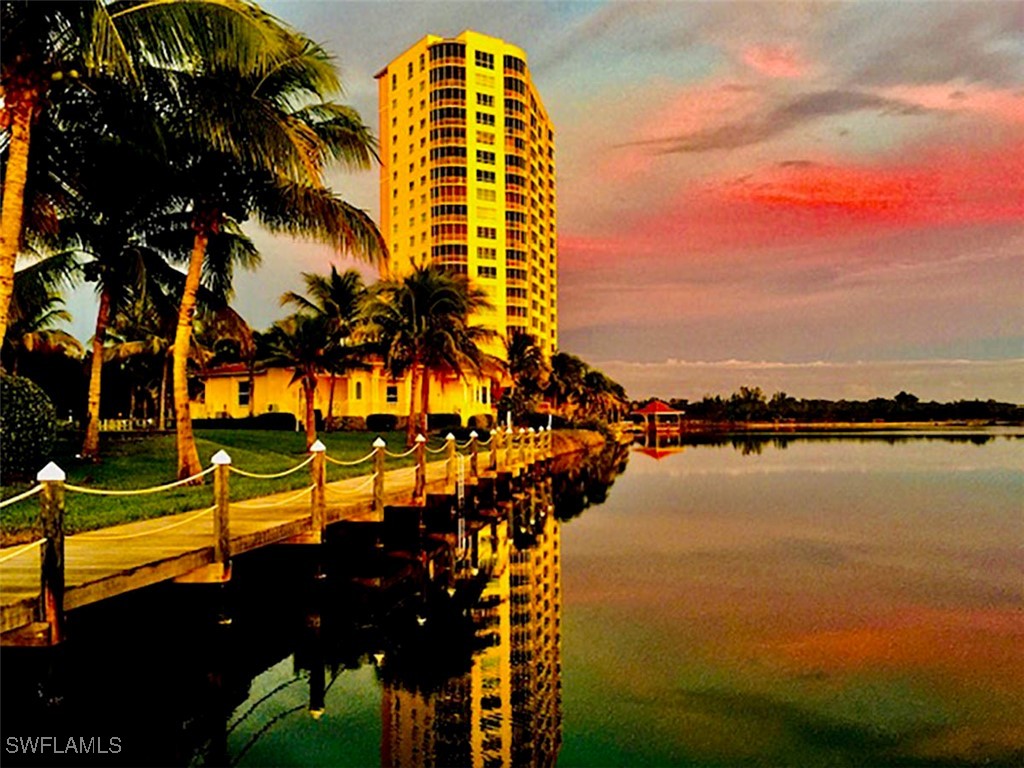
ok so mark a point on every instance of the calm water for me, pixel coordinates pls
(799, 602)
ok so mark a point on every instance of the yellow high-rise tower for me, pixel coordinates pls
(468, 177)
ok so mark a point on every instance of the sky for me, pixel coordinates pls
(820, 198)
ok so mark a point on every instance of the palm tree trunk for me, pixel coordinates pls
(188, 454)
(410, 427)
(309, 387)
(330, 399)
(425, 398)
(91, 445)
(161, 418)
(22, 106)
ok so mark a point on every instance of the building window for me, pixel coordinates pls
(486, 195)
(485, 100)
(485, 157)
(485, 176)
(485, 60)
(359, 390)
(482, 118)
(392, 393)
(484, 394)
(487, 233)
(490, 272)
(244, 392)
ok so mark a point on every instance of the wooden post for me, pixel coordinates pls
(449, 466)
(522, 446)
(509, 447)
(497, 448)
(492, 461)
(318, 498)
(51, 507)
(474, 451)
(378, 475)
(221, 512)
(420, 488)
(531, 441)
(541, 452)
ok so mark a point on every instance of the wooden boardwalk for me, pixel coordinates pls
(112, 561)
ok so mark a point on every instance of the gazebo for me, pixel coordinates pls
(659, 416)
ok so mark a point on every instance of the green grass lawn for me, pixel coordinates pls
(142, 461)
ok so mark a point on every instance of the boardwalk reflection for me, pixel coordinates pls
(456, 635)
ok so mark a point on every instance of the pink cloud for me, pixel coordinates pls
(947, 185)
(774, 60)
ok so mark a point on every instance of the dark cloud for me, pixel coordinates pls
(802, 109)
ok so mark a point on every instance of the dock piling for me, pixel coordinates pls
(420, 486)
(379, 446)
(474, 451)
(318, 470)
(51, 507)
(221, 513)
(449, 465)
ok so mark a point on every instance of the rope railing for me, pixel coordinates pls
(357, 462)
(279, 503)
(352, 491)
(22, 550)
(272, 476)
(21, 496)
(98, 536)
(137, 491)
(508, 451)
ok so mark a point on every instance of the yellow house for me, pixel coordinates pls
(230, 393)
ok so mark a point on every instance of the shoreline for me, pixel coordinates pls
(726, 427)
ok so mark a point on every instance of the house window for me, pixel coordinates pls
(243, 392)
(359, 390)
(392, 393)
(484, 392)
(485, 60)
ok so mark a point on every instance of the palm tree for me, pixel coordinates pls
(303, 342)
(273, 140)
(566, 381)
(53, 49)
(526, 362)
(339, 298)
(33, 313)
(421, 325)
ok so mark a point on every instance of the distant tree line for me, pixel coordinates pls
(751, 404)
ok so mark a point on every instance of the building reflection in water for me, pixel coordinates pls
(506, 708)
(461, 621)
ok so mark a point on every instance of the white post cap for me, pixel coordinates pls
(474, 435)
(317, 447)
(420, 439)
(522, 431)
(531, 430)
(449, 436)
(379, 442)
(509, 431)
(51, 472)
(221, 457)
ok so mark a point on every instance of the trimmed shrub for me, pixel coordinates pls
(382, 422)
(444, 421)
(283, 422)
(28, 427)
(278, 422)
